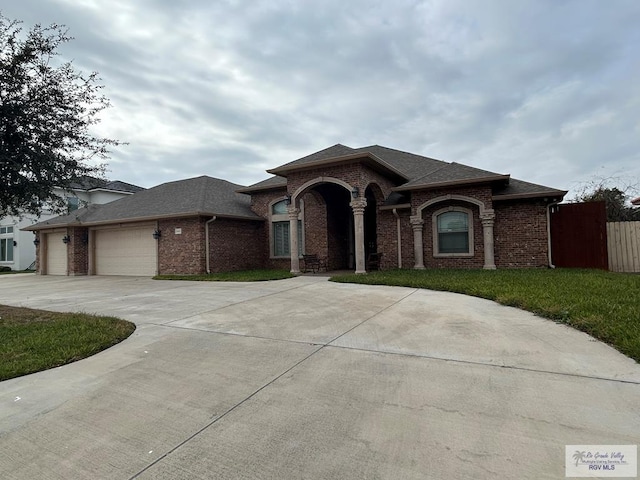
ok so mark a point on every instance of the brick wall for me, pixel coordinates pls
(483, 194)
(388, 239)
(355, 174)
(430, 261)
(78, 251)
(520, 234)
(520, 226)
(182, 253)
(233, 245)
(315, 225)
(39, 238)
(236, 245)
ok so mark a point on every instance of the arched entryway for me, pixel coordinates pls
(343, 231)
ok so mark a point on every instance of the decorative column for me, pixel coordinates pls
(418, 249)
(293, 238)
(488, 218)
(358, 205)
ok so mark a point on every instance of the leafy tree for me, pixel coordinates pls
(616, 201)
(47, 109)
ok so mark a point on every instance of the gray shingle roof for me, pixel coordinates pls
(420, 171)
(269, 184)
(520, 189)
(118, 186)
(92, 183)
(334, 151)
(452, 173)
(410, 165)
(194, 196)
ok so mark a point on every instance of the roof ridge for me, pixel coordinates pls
(404, 151)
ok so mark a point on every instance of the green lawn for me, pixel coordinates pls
(241, 276)
(34, 340)
(603, 304)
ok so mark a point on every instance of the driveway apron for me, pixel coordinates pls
(304, 378)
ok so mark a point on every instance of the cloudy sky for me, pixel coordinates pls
(546, 90)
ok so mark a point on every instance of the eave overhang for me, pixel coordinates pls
(263, 188)
(400, 206)
(452, 183)
(45, 226)
(555, 195)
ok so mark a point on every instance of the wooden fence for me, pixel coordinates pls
(623, 246)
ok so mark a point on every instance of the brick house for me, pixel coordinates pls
(343, 204)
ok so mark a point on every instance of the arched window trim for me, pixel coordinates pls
(434, 223)
(275, 218)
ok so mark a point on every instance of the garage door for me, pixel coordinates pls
(125, 251)
(56, 254)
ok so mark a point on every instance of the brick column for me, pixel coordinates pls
(418, 249)
(487, 232)
(358, 205)
(293, 238)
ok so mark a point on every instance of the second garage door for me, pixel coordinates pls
(56, 254)
(125, 251)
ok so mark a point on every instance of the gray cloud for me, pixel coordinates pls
(544, 90)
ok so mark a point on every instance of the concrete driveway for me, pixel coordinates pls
(304, 378)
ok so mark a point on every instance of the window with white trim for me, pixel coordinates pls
(73, 203)
(6, 244)
(280, 230)
(453, 232)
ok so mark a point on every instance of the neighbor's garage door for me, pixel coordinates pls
(125, 251)
(56, 254)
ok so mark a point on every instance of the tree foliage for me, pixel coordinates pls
(47, 110)
(616, 200)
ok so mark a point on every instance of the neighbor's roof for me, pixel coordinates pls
(118, 186)
(636, 201)
(200, 196)
(410, 171)
(89, 183)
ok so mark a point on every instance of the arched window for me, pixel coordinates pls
(453, 232)
(280, 230)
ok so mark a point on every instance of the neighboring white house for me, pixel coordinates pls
(17, 250)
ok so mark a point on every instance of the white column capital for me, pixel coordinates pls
(293, 212)
(358, 205)
(416, 222)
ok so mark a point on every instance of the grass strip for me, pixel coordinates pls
(34, 340)
(603, 304)
(240, 276)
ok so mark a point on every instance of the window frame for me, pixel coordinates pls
(436, 236)
(7, 237)
(280, 218)
(73, 204)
